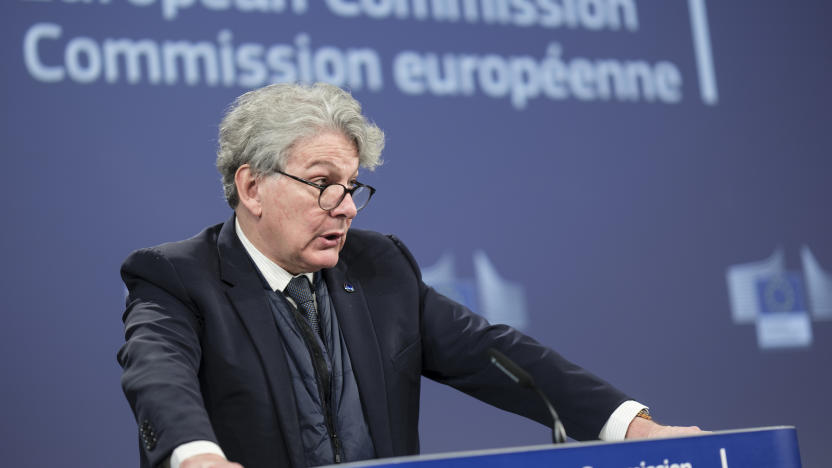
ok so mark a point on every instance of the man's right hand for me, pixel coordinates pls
(208, 460)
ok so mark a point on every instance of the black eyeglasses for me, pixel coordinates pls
(333, 194)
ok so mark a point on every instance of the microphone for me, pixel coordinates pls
(522, 378)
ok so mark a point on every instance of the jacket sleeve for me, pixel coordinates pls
(161, 357)
(455, 344)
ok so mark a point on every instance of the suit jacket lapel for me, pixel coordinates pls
(246, 293)
(362, 344)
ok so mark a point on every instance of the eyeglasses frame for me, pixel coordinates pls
(320, 187)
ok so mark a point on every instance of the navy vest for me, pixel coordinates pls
(332, 424)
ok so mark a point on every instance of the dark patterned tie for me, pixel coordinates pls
(300, 292)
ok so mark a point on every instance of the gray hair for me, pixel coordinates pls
(261, 127)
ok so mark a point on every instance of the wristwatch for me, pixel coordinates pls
(645, 414)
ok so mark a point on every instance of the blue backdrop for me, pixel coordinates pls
(646, 181)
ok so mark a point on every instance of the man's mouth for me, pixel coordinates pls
(332, 237)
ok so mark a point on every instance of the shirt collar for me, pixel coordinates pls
(277, 277)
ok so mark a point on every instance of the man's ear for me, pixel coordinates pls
(248, 186)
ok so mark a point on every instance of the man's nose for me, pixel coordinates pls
(346, 208)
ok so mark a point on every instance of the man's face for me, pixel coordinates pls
(295, 232)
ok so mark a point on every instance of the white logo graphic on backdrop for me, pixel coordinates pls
(488, 294)
(781, 303)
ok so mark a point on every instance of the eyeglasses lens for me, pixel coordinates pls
(334, 194)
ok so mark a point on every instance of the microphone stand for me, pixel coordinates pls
(523, 378)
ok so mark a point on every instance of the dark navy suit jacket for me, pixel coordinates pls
(203, 359)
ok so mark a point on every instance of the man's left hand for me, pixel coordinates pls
(641, 428)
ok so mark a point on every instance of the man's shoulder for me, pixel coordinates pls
(362, 242)
(363, 237)
(197, 249)
(364, 247)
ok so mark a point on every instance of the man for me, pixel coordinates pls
(277, 339)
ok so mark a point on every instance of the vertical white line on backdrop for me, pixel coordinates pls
(702, 51)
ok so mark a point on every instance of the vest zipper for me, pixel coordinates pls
(336, 446)
(324, 379)
(330, 426)
(325, 383)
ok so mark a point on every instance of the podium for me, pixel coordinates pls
(768, 447)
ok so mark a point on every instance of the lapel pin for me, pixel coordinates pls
(348, 288)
